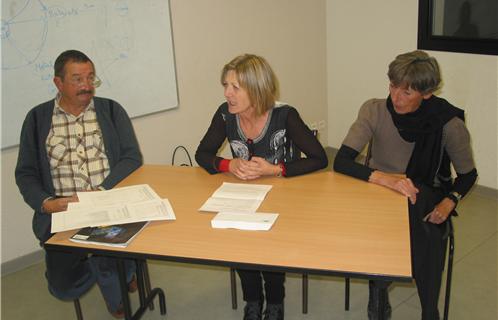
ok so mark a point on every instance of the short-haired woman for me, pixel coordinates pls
(416, 134)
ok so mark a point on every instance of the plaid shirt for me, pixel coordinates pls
(76, 151)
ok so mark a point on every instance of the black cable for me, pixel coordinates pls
(188, 155)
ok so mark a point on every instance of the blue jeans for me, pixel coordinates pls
(70, 275)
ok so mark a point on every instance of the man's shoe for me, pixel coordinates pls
(274, 312)
(118, 314)
(133, 285)
(375, 295)
(252, 310)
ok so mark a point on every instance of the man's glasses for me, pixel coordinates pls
(92, 81)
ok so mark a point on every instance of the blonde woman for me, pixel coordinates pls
(261, 133)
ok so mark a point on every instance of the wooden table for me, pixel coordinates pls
(328, 224)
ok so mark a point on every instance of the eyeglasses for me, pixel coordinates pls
(93, 81)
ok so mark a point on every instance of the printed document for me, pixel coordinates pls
(137, 193)
(236, 197)
(102, 208)
(242, 191)
(244, 221)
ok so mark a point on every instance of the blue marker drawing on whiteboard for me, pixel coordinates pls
(35, 32)
(21, 48)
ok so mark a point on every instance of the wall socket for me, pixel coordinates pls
(318, 126)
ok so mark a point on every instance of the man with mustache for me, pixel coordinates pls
(76, 142)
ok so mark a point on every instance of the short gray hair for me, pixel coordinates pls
(416, 70)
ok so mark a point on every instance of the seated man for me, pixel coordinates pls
(416, 134)
(75, 142)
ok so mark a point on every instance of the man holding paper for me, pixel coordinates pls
(75, 142)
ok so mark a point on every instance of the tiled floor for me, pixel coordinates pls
(201, 292)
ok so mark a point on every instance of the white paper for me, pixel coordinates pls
(154, 210)
(225, 204)
(158, 209)
(78, 205)
(91, 217)
(236, 197)
(244, 221)
(242, 191)
(137, 193)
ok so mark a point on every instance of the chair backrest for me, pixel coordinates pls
(293, 151)
(369, 153)
(186, 152)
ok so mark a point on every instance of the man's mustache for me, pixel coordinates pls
(84, 92)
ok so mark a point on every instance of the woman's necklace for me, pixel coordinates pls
(252, 127)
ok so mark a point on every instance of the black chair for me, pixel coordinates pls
(451, 251)
(145, 279)
(294, 154)
(295, 151)
(77, 308)
(449, 273)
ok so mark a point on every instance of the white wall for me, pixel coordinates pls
(207, 34)
(335, 49)
(364, 36)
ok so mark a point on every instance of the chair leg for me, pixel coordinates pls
(147, 282)
(346, 294)
(449, 272)
(233, 286)
(305, 293)
(77, 307)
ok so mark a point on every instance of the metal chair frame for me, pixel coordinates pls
(295, 154)
(146, 286)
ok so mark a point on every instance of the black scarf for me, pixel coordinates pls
(425, 127)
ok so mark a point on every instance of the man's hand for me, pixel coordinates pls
(58, 204)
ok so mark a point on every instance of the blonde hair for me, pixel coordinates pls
(416, 70)
(255, 75)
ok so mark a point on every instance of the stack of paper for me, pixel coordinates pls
(236, 197)
(115, 206)
(244, 221)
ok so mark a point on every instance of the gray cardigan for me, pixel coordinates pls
(33, 170)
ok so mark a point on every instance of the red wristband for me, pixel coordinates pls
(224, 165)
(282, 166)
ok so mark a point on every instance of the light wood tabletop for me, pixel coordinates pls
(328, 224)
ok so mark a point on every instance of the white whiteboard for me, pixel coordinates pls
(129, 41)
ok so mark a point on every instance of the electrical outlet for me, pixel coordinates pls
(321, 125)
(313, 126)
